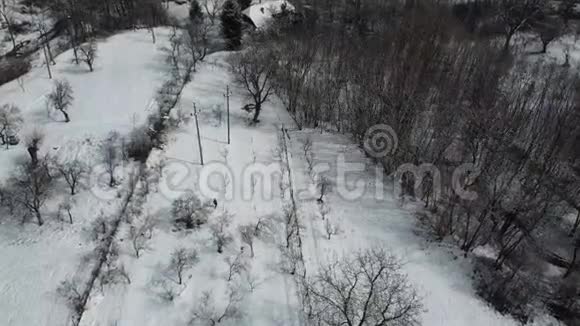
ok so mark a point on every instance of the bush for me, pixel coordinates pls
(190, 211)
(139, 145)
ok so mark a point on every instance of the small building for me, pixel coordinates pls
(260, 14)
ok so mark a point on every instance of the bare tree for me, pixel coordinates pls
(331, 228)
(110, 155)
(247, 233)
(206, 312)
(195, 43)
(236, 265)
(72, 293)
(324, 210)
(31, 187)
(263, 227)
(254, 70)
(173, 51)
(219, 230)
(517, 14)
(112, 276)
(212, 8)
(181, 260)
(61, 97)
(548, 31)
(33, 142)
(10, 122)
(324, 186)
(190, 211)
(100, 228)
(290, 260)
(88, 53)
(164, 288)
(7, 17)
(289, 224)
(139, 239)
(72, 172)
(367, 289)
(66, 207)
(251, 279)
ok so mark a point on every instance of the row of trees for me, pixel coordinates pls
(85, 18)
(547, 20)
(451, 101)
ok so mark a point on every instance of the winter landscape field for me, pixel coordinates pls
(262, 162)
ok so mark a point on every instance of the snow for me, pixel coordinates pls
(179, 11)
(114, 97)
(261, 13)
(118, 96)
(442, 278)
(273, 301)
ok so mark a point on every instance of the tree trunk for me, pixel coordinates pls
(508, 39)
(76, 54)
(257, 111)
(544, 47)
(66, 117)
(33, 152)
(576, 225)
(49, 51)
(47, 62)
(153, 35)
(9, 28)
(39, 217)
(572, 263)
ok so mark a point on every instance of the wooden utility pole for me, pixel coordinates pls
(228, 94)
(47, 61)
(198, 134)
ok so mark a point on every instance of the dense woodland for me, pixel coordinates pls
(449, 80)
(449, 83)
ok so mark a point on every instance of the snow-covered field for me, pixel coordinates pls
(117, 96)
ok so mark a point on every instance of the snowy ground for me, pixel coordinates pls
(117, 96)
(273, 301)
(442, 279)
(375, 218)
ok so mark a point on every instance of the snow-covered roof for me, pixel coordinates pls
(261, 13)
